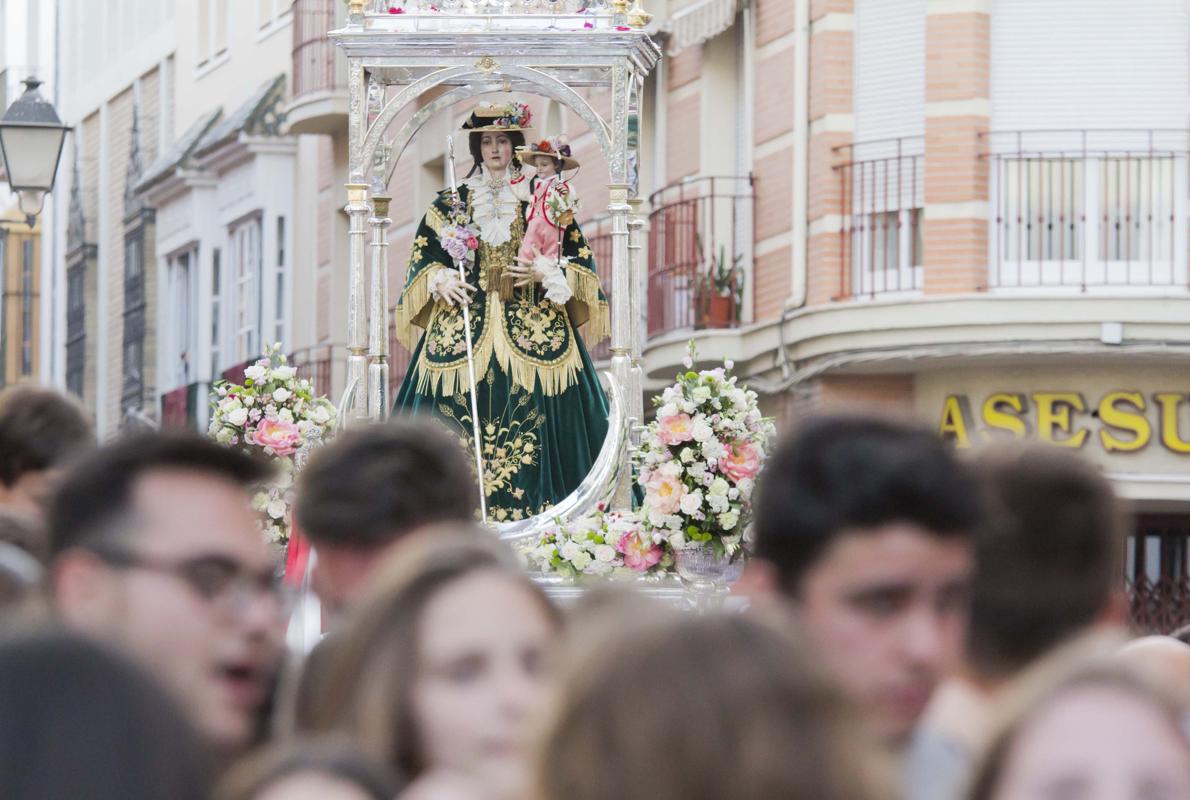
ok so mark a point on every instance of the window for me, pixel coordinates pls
(182, 304)
(1107, 218)
(884, 193)
(279, 327)
(212, 30)
(216, 311)
(246, 272)
(75, 327)
(132, 391)
(28, 297)
(271, 11)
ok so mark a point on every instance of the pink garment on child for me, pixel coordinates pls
(539, 230)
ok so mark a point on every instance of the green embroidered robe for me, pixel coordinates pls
(543, 413)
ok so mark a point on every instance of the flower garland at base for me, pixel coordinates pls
(698, 464)
(276, 413)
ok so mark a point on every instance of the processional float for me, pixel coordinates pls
(428, 55)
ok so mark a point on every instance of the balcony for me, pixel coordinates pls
(319, 103)
(315, 364)
(1088, 210)
(700, 232)
(882, 186)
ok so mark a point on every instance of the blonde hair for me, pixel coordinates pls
(1086, 663)
(703, 708)
(365, 685)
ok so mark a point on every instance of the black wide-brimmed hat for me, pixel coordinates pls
(499, 117)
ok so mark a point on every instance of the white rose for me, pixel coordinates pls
(260, 501)
(236, 417)
(728, 520)
(733, 493)
(714, 449)
(718, 488)
(701, 431)
(671, 469)
(229, 404)
(320, 415)
(686, 455)
(581, 560)
(667, 410)
(729, 364)
(745, 487)
(285, 414)
(276, 508)
(284, 373)
(256, 373)
(677, 541)
(697, 471)
(605, 553)
(701, 394)
(691, 502)
(687, 406)
(224, 435)
(718, 503)
(281, 394)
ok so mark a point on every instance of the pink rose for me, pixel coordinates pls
(743, 461)
(283, 437)
(472, 243)
(639, 553)
(663, 493)
(675, 429)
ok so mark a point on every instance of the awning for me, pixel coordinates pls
(698, 22)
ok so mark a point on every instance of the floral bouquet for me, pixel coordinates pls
(602, 543)
(277, 413)
(700, 458)
(459, 238)
(562, 205)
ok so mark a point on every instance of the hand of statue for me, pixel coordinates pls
(525, 271)
(458, 294)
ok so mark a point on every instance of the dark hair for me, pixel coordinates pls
(1047, 555)
(475, 145)
(80, 721)
(98, 490)
(850, 473)
(39, 429)
(371, 486)
(334, 756)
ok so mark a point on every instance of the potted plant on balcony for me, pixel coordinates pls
(721, 291)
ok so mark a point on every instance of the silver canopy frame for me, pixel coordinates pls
(462, 49)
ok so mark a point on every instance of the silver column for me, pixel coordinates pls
(378, 400)
(621, 300)
(636, 269)
(357, 313)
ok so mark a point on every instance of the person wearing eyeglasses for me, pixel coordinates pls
(155, 549)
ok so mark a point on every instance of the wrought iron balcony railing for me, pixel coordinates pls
(699, 232)
(315, 364)
(317, 66)
(1087, 208)
(882, 188)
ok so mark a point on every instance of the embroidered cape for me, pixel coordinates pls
(532, 339)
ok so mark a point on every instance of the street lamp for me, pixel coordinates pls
(31, 137)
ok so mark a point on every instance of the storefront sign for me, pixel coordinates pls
(1120, 421)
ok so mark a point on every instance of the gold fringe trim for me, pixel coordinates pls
(435, 219)
(555, 377)
(415, 307)
(586, 307)
(446, 381)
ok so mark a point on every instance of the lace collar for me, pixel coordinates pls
(493, 209)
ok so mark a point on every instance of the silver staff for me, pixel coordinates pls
(459, 264)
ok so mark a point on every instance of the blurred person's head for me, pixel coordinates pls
(20, 576)
(41, 431)
(1047, 557)
(81, 722)
(703, 708)
(1182, 634)
(329, 768)
(865, 524)
(1100, 731)
(156, 549)
(444, 662)
(1162, 659)
(368, 489)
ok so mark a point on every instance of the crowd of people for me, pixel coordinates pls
(913, 625)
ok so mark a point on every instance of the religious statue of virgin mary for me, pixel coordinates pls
(542, 412)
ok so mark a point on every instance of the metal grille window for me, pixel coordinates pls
(1157, 572)
(1088, 208)
(279, 326)
(133, 388)
(75, 327)
(216, 311)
